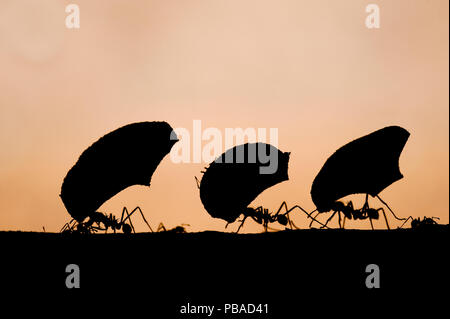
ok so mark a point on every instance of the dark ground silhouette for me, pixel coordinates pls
(296, 272)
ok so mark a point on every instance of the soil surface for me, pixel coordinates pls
(289, 270)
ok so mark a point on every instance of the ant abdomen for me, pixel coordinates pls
(283, 220)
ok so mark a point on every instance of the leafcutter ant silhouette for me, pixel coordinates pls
(178, 229)
(349, 212)
(263, 217)
(98, 221)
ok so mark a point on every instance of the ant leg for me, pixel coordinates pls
(366, 203)
(122, 221)
(410, 217)
(405, 219)
(385, 218)
(70, 226)
(273, 229)
(66, 227)
(307, 214)
(143, 217)
(339, 215)
(95, 228)
(274, 216)
(314, 219)
(371, 224)
(291, 223)
(283, 204)
(161, 228)
(242, 224)
(334, 213)
(267, 219)
(264, 215)
(350, 204)
(343, 223)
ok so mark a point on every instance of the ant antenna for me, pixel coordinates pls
(405, 219)
(197, 181)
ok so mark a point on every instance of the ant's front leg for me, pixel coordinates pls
(339, 220)
(122, 220)
(371, 223)
(366, 202)
(309, 215)
(70, 226)
(283, 204)
(242, 224)
(350, 205)
(331, 217)
(161, 228)
(266, 223)
(392, 212)
(385, 217)
(282, 219)
(313, 218)
(407, 219)
(143, 217)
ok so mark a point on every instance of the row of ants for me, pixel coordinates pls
(262, 216)
(102, 222)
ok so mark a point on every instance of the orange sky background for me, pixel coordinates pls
(309, 68)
